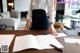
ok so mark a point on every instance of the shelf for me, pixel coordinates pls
(60, 2)
(68, 2)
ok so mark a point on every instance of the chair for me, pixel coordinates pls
(11, 19)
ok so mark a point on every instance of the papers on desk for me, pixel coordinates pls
(44, 41)
(59, 35)
(72, 40)
(39, 42)
(6, 39)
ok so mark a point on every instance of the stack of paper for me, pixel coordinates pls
(59, 35)
(71, 40)
(6, 39)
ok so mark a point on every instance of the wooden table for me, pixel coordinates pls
(69, 48)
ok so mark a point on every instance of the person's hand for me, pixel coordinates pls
(52, 30)
(28, 25)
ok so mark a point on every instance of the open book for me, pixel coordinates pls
(39, 42)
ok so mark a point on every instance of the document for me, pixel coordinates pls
(6, 39)
(39, 42)
(71, 40)
(45, 41)
(59, 35)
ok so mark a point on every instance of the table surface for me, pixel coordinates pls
(68, 48)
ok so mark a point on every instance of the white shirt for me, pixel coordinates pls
(43, 4)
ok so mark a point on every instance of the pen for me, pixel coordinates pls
(56, 47)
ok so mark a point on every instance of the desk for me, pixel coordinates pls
(69, 48)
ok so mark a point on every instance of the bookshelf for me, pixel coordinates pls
(60, 1)
(60, 9)
(1, 7)
(72, 7)
(10, 4)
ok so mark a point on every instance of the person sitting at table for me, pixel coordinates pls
(37, 18)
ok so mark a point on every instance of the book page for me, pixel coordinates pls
(44, 42)
(6, 39)
(55, 42)
(25, 42)
(59, 35)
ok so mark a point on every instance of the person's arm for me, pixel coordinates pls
(52, 14)
(29, 18)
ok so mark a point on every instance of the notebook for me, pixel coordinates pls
(71, 32)
(39, 42)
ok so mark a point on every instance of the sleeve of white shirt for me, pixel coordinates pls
(51, 11)
(29, 15)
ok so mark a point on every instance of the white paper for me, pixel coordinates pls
(59, 35)
(55, 42)
(39, 42)
(25, 42)
(44, 42)
(6, 39)
(78, 42)
(71, 40)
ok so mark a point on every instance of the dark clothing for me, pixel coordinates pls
(39, 20)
